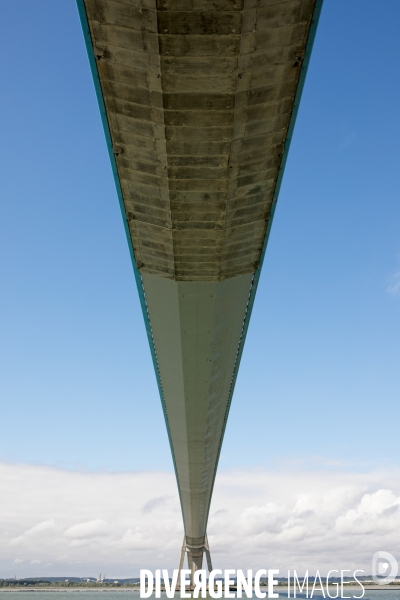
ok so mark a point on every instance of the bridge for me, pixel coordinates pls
(198, 100)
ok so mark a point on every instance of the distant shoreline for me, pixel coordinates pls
(33, 588)
(122, 588)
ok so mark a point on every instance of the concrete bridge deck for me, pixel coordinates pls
(198, 99)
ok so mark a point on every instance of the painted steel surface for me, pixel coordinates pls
(196, 328)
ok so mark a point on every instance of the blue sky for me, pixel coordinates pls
(319, 380)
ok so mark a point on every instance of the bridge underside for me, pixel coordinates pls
(196, 328)
(198, 99)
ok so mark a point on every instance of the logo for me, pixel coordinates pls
(381, 561)
(263, 584)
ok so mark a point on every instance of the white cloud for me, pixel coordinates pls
(137, 539)
(90, 529)
(40, 530)
(394, 285)
(84, 523)
(269, 518)
(156, 503)
(377, 513)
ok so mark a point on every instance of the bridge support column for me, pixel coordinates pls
(195, 559)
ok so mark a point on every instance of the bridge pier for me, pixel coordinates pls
(195, 556)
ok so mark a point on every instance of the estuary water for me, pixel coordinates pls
(125, 594)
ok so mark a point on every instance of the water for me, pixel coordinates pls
(94, 594)
(121, 594)
(39, 594)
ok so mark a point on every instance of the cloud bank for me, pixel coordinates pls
(55, 522)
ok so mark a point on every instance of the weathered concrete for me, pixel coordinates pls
(198, 94)
(199, 97)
